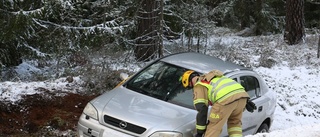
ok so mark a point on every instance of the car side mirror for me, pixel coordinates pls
(123, 76)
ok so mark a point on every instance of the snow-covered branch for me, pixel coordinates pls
(31, 12)
(110, 26)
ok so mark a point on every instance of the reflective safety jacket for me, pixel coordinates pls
(220, 89)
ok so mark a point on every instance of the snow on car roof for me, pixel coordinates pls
(201, 62)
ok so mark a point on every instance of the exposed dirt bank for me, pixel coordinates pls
(42, 115)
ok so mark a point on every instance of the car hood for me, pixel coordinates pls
(138, 109)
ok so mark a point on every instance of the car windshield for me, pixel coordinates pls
(162, 81)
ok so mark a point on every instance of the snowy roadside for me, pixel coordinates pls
(13, 91)
(297, 112)
(297, 95)
(297, 131)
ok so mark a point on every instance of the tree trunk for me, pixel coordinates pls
(9, 56)
(146, 47)
(294, 28)
(258, 17)
(161, 24)
(318, 47)
(244, 11)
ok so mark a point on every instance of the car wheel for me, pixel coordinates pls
(263, 128)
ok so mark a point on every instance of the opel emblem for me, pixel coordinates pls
(123, 124)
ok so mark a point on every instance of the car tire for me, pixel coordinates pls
(263, 128)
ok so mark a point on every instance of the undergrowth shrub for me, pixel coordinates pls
(266, 58)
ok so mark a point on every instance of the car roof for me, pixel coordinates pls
(201, 62)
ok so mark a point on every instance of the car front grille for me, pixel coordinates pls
(124, 125)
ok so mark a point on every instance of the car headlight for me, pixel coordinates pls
(166, 134)
(90, 111)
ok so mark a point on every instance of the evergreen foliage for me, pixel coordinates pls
(52, 28)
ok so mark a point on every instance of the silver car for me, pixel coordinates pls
(153, 103)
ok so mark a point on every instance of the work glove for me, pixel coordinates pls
(250, 106)
(198, 135)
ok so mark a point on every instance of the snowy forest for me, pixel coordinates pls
(67, 30)
(85, 37)
(97, 39)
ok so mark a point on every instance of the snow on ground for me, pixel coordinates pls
(297, 113)
(13, 91)
(298, 105)
(297, 131)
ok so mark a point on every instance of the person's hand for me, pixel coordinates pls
(250, 106)
(198, 135)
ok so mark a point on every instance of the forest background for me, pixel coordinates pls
(89, 38)
(73, 31)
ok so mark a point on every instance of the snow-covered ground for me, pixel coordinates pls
(298, 105)
(13, 91)
(298, 91)
(296, 131)
(297, 87)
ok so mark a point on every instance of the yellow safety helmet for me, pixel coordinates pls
(185, 79)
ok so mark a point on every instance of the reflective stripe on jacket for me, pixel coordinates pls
(200, 101)
(221, 88)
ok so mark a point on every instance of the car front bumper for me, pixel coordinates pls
(88, 127)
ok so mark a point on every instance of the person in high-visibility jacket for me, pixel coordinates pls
(227, 97)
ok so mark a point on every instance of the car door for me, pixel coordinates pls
(251, 121)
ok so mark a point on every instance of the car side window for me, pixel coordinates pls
(251, 85)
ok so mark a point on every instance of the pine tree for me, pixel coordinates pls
(148, 21)
(294, 28)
